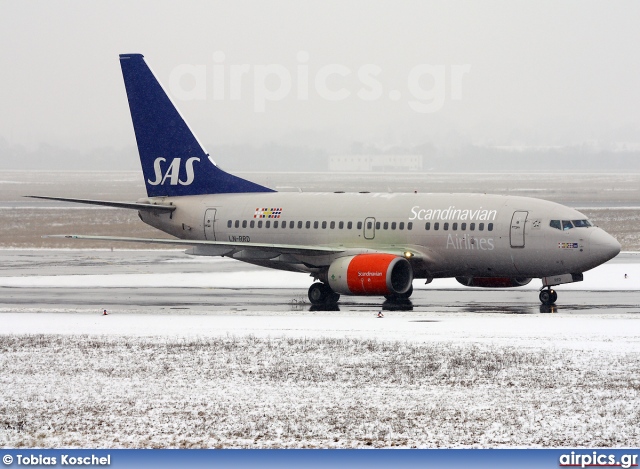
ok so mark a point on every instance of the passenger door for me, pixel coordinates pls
(209, 224)
(516, 234)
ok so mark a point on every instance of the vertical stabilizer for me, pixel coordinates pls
(174, 163)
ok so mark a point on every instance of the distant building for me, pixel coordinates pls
(368, 163)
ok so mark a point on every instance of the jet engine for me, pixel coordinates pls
(370, 274)
(493, 282)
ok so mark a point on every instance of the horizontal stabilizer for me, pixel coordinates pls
(107, 203)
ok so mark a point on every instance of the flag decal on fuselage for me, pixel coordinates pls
(568, 245)
(267, 213)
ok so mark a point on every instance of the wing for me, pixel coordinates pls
(219, 248)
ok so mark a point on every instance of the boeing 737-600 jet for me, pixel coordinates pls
(350, 243)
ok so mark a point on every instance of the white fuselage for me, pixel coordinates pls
(447, 235)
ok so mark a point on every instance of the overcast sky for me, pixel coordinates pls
(504, 73)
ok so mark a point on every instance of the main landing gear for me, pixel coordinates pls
(321, 293)
(548, 296)
(400, 296)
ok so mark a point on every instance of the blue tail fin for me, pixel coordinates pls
(174, 163)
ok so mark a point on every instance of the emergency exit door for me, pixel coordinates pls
(369, 228)
(516, 235)
(209, 224)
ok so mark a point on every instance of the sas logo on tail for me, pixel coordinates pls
(172, 173)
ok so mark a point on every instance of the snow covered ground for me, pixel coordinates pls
(327, 381)
(604, 332)
(242, 391)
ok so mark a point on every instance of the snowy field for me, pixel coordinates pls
(243, 391)
(274, 377)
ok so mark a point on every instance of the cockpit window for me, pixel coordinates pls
(581, 223)
(568, 224)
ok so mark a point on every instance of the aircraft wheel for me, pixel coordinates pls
(332, 298)
(400, 296)
(318, 293)
(406, 295)
(548, 296)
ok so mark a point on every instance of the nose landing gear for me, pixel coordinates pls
(548, 296)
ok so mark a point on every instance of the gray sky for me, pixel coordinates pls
(534, 73)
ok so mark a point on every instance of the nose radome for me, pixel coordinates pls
(603, 246)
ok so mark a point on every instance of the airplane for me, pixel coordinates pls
(373, 244)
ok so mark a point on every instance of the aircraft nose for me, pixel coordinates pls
(603, 246)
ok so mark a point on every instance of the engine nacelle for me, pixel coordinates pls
(370, 274)
(493, 282)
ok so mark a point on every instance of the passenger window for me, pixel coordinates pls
(267, 224)
(369, 225)
(490, 227)
(359, 225)
(386, 225)
(377, 225)
(410, 225)
(436, 226)
(307, 225)
(332, 225)
(252, 224)
(275, 224)
(229, 224)
(315, 225)
(463, 227)
(401, 225)
(244, 223)
(324, 225)
(349, 225)
(472, 226)
(341, 225)
(237, 224)
(299, 225)
(260, 224)
(446, 227)
(566, 225)
(555, 224)
(481, 227)
(393, 225)
(427, 226)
